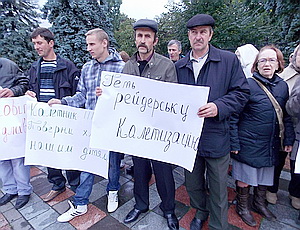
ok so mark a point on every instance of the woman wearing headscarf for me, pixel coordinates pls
(246, 54)
(258, 133)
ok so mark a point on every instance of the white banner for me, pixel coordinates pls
(149, 118)
(13, 126)
(59, 137)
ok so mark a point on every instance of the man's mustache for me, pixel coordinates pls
(198, 41)
(142, 45)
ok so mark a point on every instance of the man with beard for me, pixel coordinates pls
(146, 63)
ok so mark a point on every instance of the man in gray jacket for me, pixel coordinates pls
(146, 63)
(12, 81)
(14, 174)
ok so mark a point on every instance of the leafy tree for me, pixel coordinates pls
(71, 19)
(171, 25)
(125, 35)
(237, 22)
(285, 21)
(113, 8)
(17, 20)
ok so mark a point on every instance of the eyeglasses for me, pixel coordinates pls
(264, 60)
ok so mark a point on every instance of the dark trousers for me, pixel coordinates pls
(294, 185)
(277, 171)
(56, 178)
(212, 202)
(164, 182)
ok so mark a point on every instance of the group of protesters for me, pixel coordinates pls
(251, 119)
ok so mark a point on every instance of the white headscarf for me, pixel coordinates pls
(246, 54)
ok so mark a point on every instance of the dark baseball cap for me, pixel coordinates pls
(145, 23)
(200, 20)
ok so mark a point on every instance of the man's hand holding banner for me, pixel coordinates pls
(134, 115)
(148, 118)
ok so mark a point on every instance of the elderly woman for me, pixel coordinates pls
(257, 134)
(290, 74)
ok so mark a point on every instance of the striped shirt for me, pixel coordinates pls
(46, 80)
(85, 96)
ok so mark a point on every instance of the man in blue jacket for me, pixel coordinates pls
(52, 76)
(220, 70)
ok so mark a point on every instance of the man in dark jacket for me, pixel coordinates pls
(147, 63)
(229, 91)
(52, 77)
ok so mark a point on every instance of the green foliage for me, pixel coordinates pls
(237, 22)
(125, 35)
(171, 25)
(113, 8)
(285, 16)
(17, 19)
(71, 19)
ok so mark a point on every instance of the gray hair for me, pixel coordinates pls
(176, 42)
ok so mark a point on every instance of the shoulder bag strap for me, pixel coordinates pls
(277, 108)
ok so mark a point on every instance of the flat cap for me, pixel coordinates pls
(200, 20)
(145, 23)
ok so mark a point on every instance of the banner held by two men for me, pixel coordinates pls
(149, 118)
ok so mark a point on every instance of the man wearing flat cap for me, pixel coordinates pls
(147, 63)
(206, 65)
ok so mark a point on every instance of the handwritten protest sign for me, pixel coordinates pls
(148, 118)
(13, 126)
(59, 137)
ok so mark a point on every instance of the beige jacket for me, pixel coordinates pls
(290, 76)
(293, 108)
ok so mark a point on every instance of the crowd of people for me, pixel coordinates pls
(251, 119)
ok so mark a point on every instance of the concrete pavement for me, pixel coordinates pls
(40, 215)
